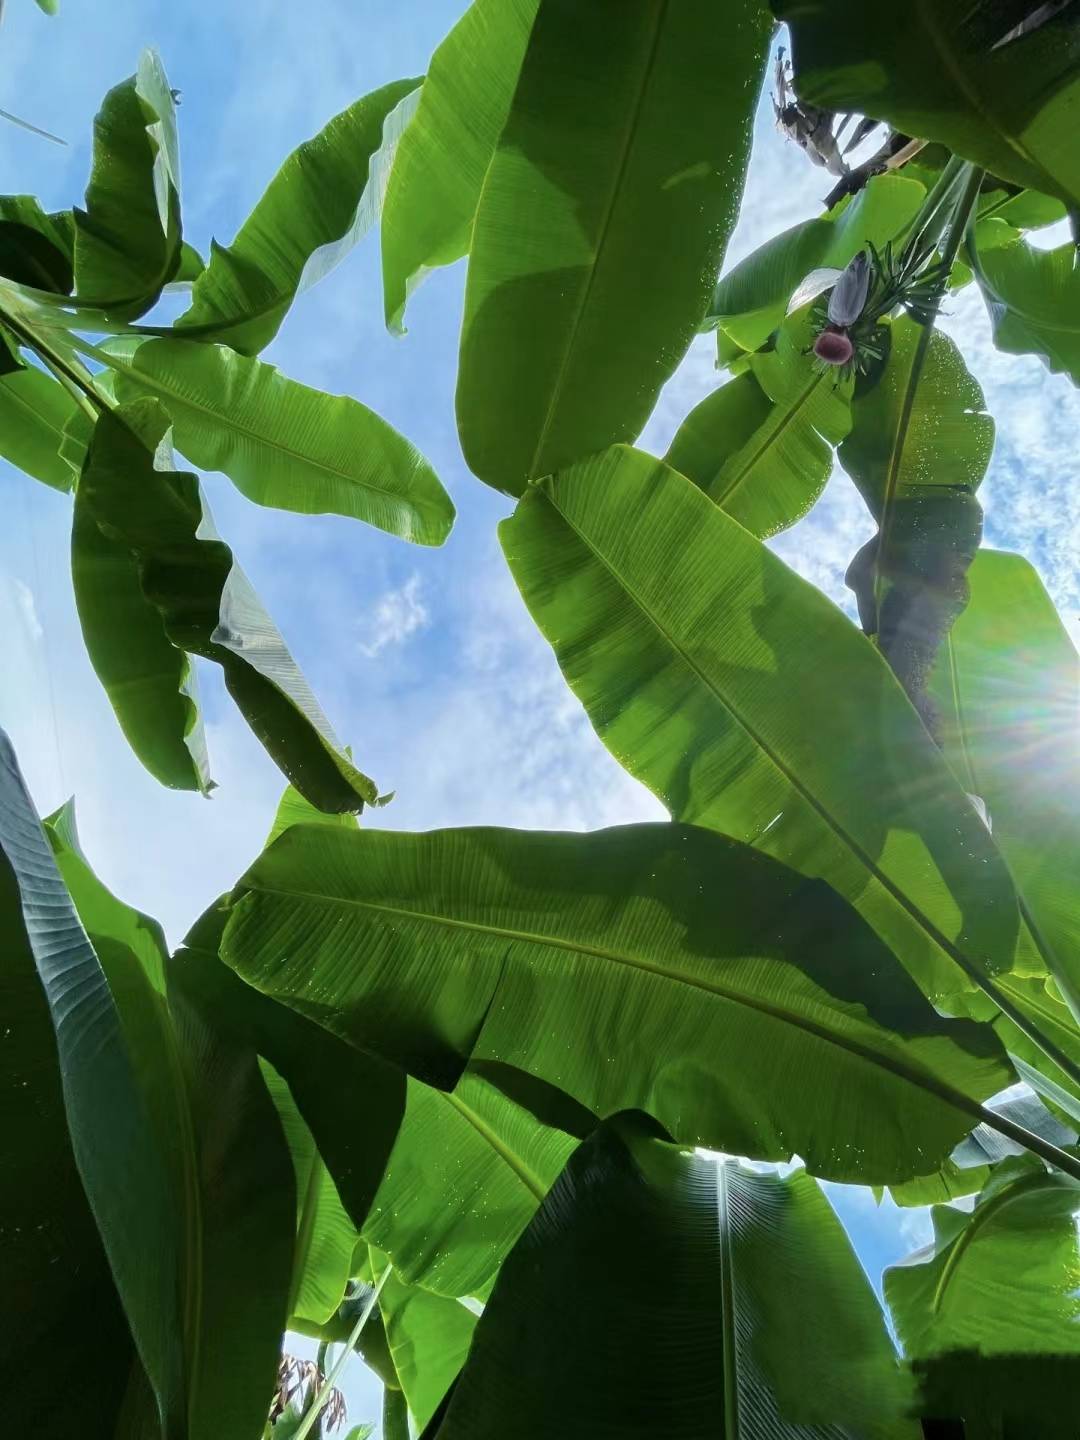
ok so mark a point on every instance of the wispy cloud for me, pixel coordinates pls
(397, 615)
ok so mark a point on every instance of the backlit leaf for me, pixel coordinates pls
(443, 157)
(323, 199)
(675, 971)
(602, 223)
(284, 444)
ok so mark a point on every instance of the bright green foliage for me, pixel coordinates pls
(919, 448)
(602, 223)
(1008, 685)
(150, 682)
(752, 299)
(765, 464)
(152, 528)
(435, 183)
(969, 1166)
(442, 1181)
(945, 70)
(1000, 1283)
(293, 809)
(1028, 210)
(128, 239)
(324, 918)
(282, 443)
(1039, 998)
(924, 423)
(34, 409)
(1033, 297)
(467, 1170)
(429, 1336)
(319, 204)
(684, 637)
(325, 1236)
(393, 1081)
(51, 1252)
(744, 1312)
(228, 1169)
(112, 1134)
(36, 248)
(328, 1080)
(717, 428)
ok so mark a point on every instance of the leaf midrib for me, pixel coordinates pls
(794, 410)
(229, 422)
(808, 797)
(981, 1217)
(729, 1328)
(524, 1172)
(602, 238)
(913, 1074)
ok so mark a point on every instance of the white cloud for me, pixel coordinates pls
(495, 737)
(26, 610)
(396, 615)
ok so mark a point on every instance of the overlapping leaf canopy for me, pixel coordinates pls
(434, 1096)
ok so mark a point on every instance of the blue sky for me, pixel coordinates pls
(425, 661)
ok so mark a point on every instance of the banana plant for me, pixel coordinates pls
(100, 419)
(537, 1124)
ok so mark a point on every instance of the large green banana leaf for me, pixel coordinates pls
(657, 967)
(228, 1168)
(428, 1337)
(319, 204)
(325, 1235)
(744, 1312)
(752, 299)
(293, 809)
(36, 248)
(442, 1181)
(602, 224)
(282, 443)
(713, 673)
(1008, 684)
(327, 1079)
(1038, 997)
(970, 1165)
(34, 409)
(717, 428)
(56, 1274)
(1026, 210)
(767, 463)
(946, 70)
(439, 169)
(111, 1130)
(923, 423)
(128, 239)
(150, 682)
(1033, 297)
(918, 450)
(139, 521)
(467, 1171)
(990, 1307)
